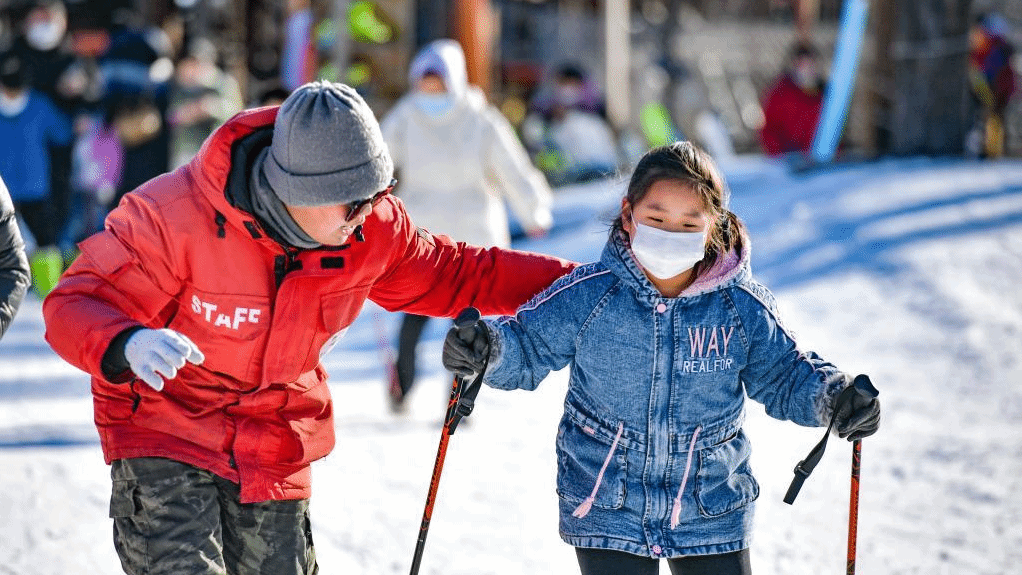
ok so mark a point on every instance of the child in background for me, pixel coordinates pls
(569, 132)
(97, 163)
(666, 336)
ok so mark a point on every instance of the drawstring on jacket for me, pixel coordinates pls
(676, 508)
(583, 509)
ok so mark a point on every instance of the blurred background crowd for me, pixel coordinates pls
(98, 96)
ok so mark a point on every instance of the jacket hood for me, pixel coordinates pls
(225, 159)
(732, 268)
(445, 58)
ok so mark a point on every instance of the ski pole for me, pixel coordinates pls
(864, 387)
(853, 506)
(463, 394)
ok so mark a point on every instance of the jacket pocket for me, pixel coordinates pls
(309, 426)
(122, 499)
(724, 481)
(581, 452)
(195, 421)
(231, 330)
(336, 311)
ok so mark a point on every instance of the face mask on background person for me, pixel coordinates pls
(805, 76)
(569, 95)
(666, 254)
(45, 36)
(433, 104)
(46, 28)
(11, 106)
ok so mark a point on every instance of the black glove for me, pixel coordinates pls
(857, 410)
(467, 349)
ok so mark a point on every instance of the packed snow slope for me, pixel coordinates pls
(907, 270)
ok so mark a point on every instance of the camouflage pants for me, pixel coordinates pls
(173, 518)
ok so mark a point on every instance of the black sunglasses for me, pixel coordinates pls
(355, 208)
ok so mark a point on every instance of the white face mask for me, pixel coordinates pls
(433, 104)
(666, 254)
(569, 95)
(44, 36)
(805, 76)
(11, 107)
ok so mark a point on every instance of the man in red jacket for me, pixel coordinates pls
(792, 106)
(203, 308)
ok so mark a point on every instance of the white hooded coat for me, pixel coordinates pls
(458, 167)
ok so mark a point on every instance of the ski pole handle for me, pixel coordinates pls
(466, 320)
(864, 386)
(465, 323)
(466, 388)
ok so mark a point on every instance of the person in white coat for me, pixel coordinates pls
(460, 161)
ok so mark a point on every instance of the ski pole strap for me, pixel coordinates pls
(807, 465)
(464, 400)
(463, 395)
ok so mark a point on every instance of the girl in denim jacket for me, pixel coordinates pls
(666, 335)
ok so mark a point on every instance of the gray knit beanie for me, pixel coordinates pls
(327, 148)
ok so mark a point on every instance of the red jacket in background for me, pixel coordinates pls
(177, 254)
(790, 116)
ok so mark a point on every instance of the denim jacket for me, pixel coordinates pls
(652, 459)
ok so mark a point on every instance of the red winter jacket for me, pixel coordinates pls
(177, 254)
(790, 116)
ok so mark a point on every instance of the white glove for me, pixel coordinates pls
(155, 352)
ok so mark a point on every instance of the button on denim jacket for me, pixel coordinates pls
(652, 459)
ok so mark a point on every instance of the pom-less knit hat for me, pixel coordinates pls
(327, 148)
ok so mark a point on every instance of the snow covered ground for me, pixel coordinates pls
(907, 270)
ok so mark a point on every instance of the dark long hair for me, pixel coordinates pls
(684, 162)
